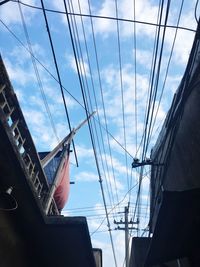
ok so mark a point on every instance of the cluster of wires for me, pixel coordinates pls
(93, 98)
(156, 87)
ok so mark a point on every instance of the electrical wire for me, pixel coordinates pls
(4, 2)
(10, 209)
(195, 11)
(96, 106)
(135, 71)
(135, 86)
(37, 74)
(103, 231)
(104, 17)
(122, 91)
(121, 201)
(151, 97)
(92, 139)
(154, 85)
(102, 97)
(58, 74)
(176, 114)
(157, 76)
(79, 55)
(167, 69)
(150, 78)
(64, 88)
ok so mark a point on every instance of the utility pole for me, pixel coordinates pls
(126, 228)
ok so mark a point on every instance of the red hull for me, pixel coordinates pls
(62, 192)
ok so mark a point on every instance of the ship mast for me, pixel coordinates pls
(64, 144)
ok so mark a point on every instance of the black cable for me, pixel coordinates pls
(158, 74)
(195, 12)
(167, 69)
(101, 92)
(37, 74)
(152, 92)
(102, 231)
(58, 74)
(64, 88)
(135, 70)
(150, 78)
(104, 17)
(3, 2)
(122, 90)
(91, 135)
(116, 206)
(85, 85)
(173, 126)
(148, 109)
(95, 208)
(175, 114)
(135, 84)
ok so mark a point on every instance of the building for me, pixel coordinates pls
(28, 235)
(175, 182)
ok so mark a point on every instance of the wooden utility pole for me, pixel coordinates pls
(126, 228)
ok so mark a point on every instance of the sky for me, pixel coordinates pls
(104, 65)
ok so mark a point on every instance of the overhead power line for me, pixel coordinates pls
(195, 11)
(152, 97)
(64, 88)
(102, 99)
(167, 69)
(38, 75)
(3, 2)
(85, 85)
(58, 74)
(91, 135)
(122, 91)
(105, 17)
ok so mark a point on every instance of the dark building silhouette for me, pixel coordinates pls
(30, 236)
(175, 181)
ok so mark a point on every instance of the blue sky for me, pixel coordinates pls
(109, 89)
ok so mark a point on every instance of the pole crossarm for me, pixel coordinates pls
(123, 228)
(126, 228)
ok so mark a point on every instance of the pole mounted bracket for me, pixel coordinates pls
(137, 163)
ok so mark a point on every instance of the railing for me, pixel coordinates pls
(22, 140)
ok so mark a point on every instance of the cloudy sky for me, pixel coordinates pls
(104, 65)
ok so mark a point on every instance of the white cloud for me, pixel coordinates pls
(82, 65)
(9, 12)
(38, 125)
(84, 151)
(144, 11)
(144, 58)
(87, 177)
(21, 75)
(59, 5)
(114, 101)
(108, 258)
(74, 7)
(184, 38)
(20, 68)
(105, 26)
